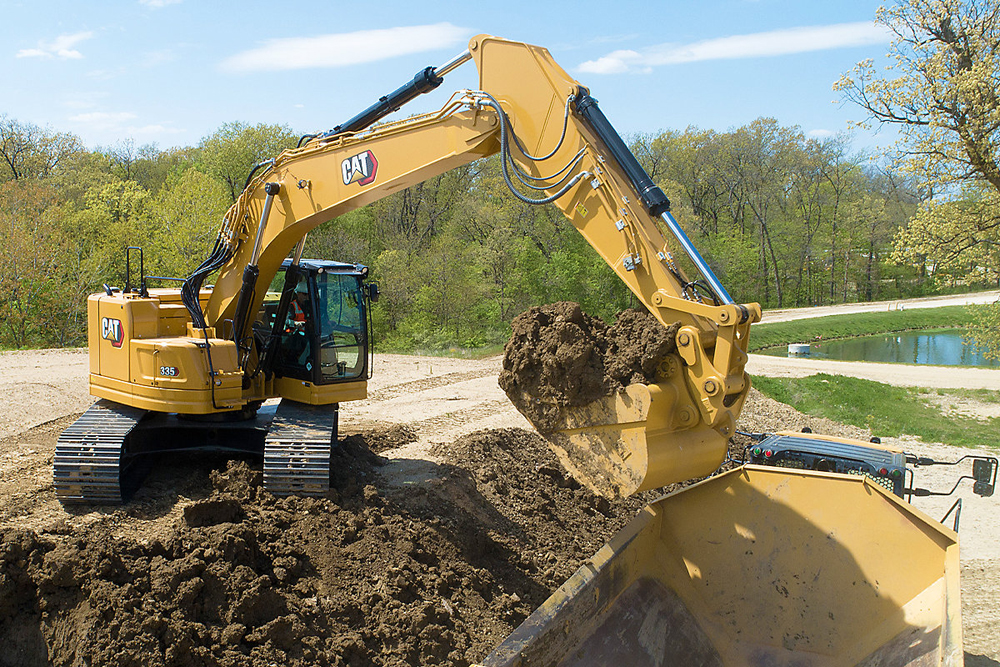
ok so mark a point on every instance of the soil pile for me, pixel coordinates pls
(434, 574)
(560, 356)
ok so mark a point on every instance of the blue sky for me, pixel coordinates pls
(171, 72)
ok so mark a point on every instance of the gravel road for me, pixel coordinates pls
(788, 314)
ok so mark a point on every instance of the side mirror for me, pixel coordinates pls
(372, 292)
(984, 474)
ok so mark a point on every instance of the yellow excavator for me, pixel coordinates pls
(762, 565)
(199, 361)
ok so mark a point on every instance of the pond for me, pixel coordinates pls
(938, 347)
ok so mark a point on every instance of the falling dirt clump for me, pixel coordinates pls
(558, 356)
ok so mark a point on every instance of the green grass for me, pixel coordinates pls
(858, 324)
(884, 409)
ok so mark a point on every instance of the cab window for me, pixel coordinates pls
(341, 326)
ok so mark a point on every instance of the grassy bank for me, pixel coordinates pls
(886, 410)
(858, 324)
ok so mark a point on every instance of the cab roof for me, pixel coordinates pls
(329, 266)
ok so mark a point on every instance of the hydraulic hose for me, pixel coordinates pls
(505, 156)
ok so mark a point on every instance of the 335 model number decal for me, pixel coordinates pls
(169, 371)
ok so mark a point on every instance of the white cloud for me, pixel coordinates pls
(60, 47)
(820, 134)
(153, 58)
(87, 100)
(105, 74)
(754, 45)
(349, 48)
(615, 62)
(154, 130)
(102, 118)
(158, 4)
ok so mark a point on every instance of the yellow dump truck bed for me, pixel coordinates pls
(758, 566)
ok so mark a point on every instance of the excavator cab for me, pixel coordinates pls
(317, 319)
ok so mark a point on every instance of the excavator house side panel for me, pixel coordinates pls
(131, 364)
(758, 566)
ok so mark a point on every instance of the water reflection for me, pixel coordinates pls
(939, 347)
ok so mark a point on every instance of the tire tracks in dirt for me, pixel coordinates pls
(415, 386)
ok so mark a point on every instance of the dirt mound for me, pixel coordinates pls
(435, 574)
(383, 438)
(560, 356)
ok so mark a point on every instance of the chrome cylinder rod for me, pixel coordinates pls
(721, 295)
(297, 257)
(454, 63)
(270, 190)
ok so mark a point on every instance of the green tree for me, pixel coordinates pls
(42, 289)
(942, 94)
(985, 330)
(232, 151)
(184, 219)
(147, 165)
(114, 217)
(27, 150)
(944, 98)
(956, 237)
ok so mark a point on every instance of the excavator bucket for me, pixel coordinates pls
(627, 407)
(634, 440)
(758, 566)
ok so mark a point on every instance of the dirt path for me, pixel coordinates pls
(900, 375)
(432, 403)
(788, 314)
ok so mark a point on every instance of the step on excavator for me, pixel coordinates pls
(761, 565)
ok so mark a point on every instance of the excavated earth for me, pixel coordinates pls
(560, 356)
(449, 521)
(427, 574)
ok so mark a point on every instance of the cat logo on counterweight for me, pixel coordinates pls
(112, 330)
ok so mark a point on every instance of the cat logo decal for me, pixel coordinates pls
(359, 169)
(112, 330)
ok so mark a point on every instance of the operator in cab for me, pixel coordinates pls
(298, 308)
(296, 325)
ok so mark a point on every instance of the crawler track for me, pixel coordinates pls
(297, 449)
(89, 462)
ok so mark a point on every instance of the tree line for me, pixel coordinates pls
(783, 220)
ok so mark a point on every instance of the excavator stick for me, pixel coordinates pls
(758, 566)
(675, 426)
